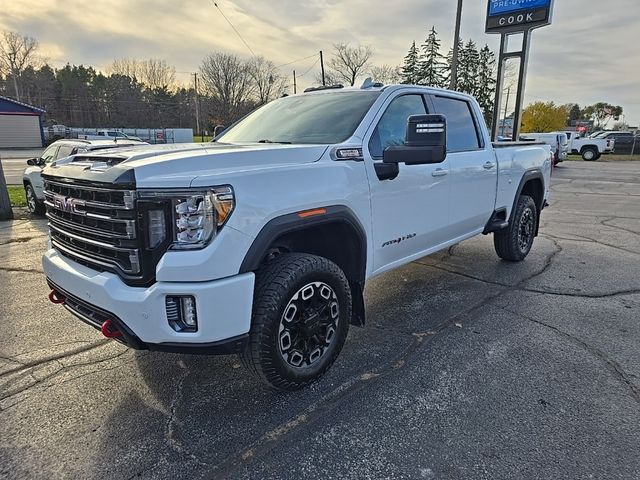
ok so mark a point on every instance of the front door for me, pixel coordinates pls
(410, 213)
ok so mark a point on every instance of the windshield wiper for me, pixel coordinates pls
(271, 141)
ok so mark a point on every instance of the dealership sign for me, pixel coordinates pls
(507, 16)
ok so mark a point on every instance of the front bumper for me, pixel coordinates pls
(223, 307)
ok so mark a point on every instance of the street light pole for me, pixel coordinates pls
(454, 59)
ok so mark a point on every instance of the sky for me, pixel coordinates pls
(590, 53)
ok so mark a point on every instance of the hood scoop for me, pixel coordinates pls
(96, 163)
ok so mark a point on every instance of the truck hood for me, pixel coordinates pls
(177, 166)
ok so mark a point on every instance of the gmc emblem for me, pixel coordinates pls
(69, 205)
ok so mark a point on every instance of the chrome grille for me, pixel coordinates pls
(94, 225)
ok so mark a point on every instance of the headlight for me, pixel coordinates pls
(197, 215)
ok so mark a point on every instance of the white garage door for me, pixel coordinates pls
(20, 131)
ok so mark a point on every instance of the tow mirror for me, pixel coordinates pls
(425, 142)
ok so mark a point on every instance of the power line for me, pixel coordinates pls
(309, 69)
(234, 28)
(296, 61)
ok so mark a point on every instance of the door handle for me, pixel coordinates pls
(439, 172)
(488, 165)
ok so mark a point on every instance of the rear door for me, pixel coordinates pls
(474, 169)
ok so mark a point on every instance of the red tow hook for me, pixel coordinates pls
(56, 297)
(109, 330)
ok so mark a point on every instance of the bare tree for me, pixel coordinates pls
(16, 53)
(228, 79)
(268, 83)
(347, 63)
(385, 74)
(153, 72)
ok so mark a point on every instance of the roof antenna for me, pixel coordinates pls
(368, 83)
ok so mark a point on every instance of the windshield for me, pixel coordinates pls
(317, 118)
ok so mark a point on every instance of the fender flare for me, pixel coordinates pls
(532, 174)
(293, 222)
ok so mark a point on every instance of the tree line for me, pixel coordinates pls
(137, 93)
(542, 117)
(476, 72)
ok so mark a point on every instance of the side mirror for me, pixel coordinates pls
(425, 143)
(35, 162)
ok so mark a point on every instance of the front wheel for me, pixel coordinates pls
(35, 206)
(590, 155)
(301, 315)
(514, 242)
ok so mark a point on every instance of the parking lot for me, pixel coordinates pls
(469, 367)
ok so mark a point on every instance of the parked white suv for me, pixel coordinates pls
(31, 179)
(261, 243)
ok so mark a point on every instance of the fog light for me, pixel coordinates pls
(181, 313)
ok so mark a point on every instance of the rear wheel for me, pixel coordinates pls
(301, 315)
(35, 206)
(514, 242)
(590, 154)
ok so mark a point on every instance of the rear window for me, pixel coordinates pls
(462, 134)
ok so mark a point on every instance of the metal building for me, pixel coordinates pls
(20, 124)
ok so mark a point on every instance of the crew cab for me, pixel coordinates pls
(31, 179)
(260, 243)
(591, 149)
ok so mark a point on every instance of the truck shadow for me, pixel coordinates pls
(201, 412)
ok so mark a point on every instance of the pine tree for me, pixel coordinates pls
(432, 65)
(486, 84)
(468, 66)
(409, 70)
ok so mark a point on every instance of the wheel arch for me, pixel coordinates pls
(335, 233)
(532, 184)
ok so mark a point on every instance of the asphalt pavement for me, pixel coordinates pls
(469, 367)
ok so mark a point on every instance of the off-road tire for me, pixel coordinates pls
(590, 154)
(35, 206)
(276, 285)
(507, 242)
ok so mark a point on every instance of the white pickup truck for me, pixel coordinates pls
(108, 134)
(261, 242)
(591, 149)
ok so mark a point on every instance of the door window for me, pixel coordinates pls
(50, 153)
(392, 127)
(462, 134)
(64, 151)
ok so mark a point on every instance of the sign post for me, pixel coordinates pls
(511, 17)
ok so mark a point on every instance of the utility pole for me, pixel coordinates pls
(322, 69)
(295, 87)
(454, 59)
(197, 102)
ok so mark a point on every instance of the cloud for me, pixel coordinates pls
(587, 55)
